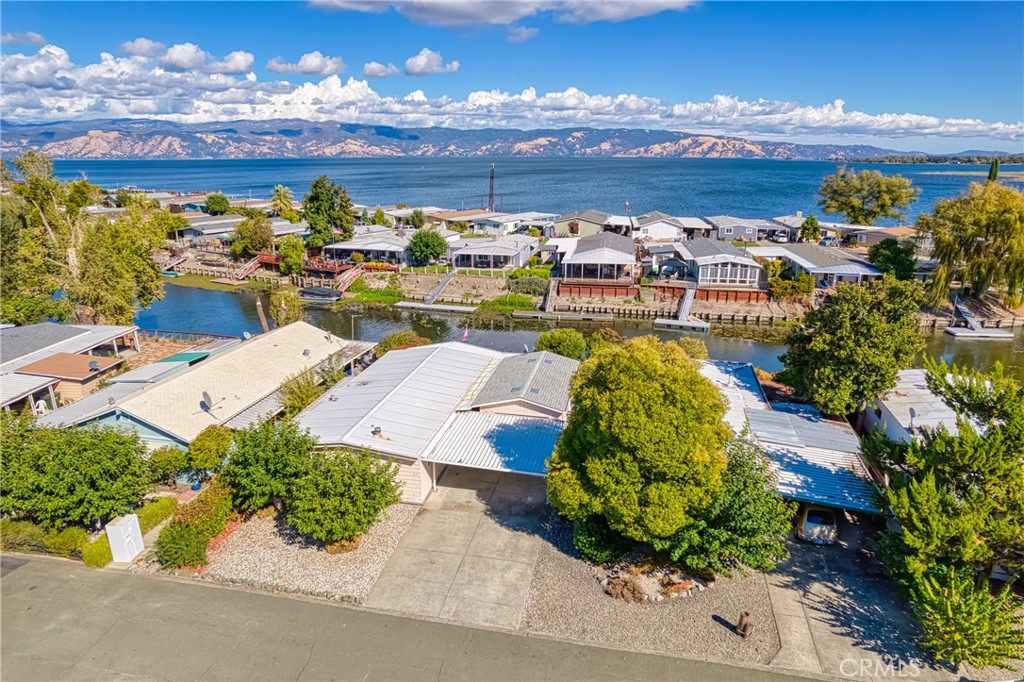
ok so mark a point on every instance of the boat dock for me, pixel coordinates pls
(436, 307)
(579, 317)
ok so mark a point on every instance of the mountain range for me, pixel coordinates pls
(290, 138)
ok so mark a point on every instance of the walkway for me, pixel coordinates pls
(61, 620)
(469, 554)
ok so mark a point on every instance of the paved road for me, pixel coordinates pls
(61, 620)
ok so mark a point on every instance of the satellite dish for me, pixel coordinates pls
(206, 403)
(246, 335)
(94, 366)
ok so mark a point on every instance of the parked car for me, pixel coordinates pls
(829, 241)
(780, 238)
(817, 525)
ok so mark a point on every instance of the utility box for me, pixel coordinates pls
(125, 537)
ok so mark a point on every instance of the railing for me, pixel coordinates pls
(248, 268)
(182, 336)
(350, 276)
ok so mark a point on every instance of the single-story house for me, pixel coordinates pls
(717, 263)
(871, 236)
(446, 219)
(508, 223)
(399, 216)
(204, 227)
(448, 404)
(730, 228)
(829, 265)
(77, 374)
(507, 251)
(795, 222)
(582, 223)
(604, 255)
(387, 246)
(910, 408)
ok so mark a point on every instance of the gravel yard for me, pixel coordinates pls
(266, 553)
(566, 601)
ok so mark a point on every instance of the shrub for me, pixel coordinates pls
(508, 303)
(799, 287)
(602, 338)
(67, 542)
(153, 513)
(97, 554)
(694, 347)
(530, 285)
(358, 258)
(627, 588)
(210, 447)
(166, 463)
(181, 544)
(566, 342)
(597, 542)
(267, 459)
(300, 391)
(209, 512)
(406, 338)
(541, 271)
(21, 536)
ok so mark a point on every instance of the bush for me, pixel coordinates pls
(508, 303)
(566, 342)
(153, 513)
(21, 536)
(267, 459)
(181, 544)
(799, 287)
(542, 272)
(210, 447)
(597, 542)
(602, 338)
(209, 512)
(530, 285)
(406, 338)
(67, 542)
(166, 463)
(97, 554)
(694, 347)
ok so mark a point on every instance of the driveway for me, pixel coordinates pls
(469, 554)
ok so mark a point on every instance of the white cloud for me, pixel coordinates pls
(458, 13)
(311, 64)
(378, 70)
(142, 47)
(237, 62)
(427, 62)
(520, 34)
(47, 85)
(184, 57)
(27, 38)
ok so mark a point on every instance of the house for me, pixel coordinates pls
(385, 246)
(446, 219)
(581, 223)
(604, 255)
(242, 381)
(910, 408)
(508, 223)
(400, 216)
(729, 228)
(795, 222)
(508, 251)
(710, 262)
(448, 404)
(77, 374)
(870, 236)
(829, 266)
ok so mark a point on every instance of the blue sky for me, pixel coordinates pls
(917, 75)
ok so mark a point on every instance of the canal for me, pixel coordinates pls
(234, 312)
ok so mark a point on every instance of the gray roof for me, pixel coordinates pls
(497, 442)
(655, 216)
(541, 378)
(604, 248)
(258, 411)
(17, 342)
(739, 385)
(91, 405)
(702, 247)
(823, 257)
(733, 221)
(150, 373)
(589, 215)
(14, 387)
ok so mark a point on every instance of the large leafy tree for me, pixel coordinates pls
(252, 236)
(327, 208)
(342, 495)
(978, 239)
(565, 341)
(379, 218)
(50, 244)
(427, 245)
(217, 204)
(266, 460)
(810, 230)
(292, 251)
(894, 257)
(848, 351)
(69, 477)
(210, 448)
(417, 218)
(286, 306)
(644, 444)
(866, 196)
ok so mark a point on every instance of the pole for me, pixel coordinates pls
(352, 320)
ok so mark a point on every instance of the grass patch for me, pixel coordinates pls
(508, 303)
(364, 294)
(743, 245)
(204, 282)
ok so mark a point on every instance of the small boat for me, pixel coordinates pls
(169, 273)
(319, 294)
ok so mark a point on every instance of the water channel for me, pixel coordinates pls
(223, 312)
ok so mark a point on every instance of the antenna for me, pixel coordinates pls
(490, 195)
(94, 366)
(206, 404)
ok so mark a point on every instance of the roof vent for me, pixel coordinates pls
(94, 366)
(516, 389)
(535, 391)
(305, 352)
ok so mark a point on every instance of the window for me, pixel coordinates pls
(726, 230)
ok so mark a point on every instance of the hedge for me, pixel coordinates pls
(27, 537)
(210, 511)
(153, 513)
(97, 554)
(181, 544)
(66, 543)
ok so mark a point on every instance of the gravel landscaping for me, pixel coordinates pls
(566, 601)
(268, 554)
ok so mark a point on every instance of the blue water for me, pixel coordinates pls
(689, 187)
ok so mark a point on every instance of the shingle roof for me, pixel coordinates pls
(541, 378)
(88, 336)
(92, 405)
(590, 215)
(497, 442)
(702, 247)
(17, 342)
(604, 248)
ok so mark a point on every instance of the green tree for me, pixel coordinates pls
(644, 444)
(342, 495)
(605, 336)
(417, 218)
(328, 210)
(292, 251)
(166, 463)
(459, 226)
(252, 236)
(977, 240)
(406, 338)
(746, 524)
(866, 196)
(694, 347)
(281, 204)
(427, 245)
(894, 257)
(564, 341)
(210, 448)
(848, 351)
(810, 230)
(993, 171)
(379, 218)
(533, 231)
(299, 392)
(286, 306)
(266, 461)
(217, 204)
(69, 477)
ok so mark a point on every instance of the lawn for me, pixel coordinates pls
(204, 282)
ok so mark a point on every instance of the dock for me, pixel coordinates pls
(682, 325)
(980, 333)
(436, 307)
(578, 317)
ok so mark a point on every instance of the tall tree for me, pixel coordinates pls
(417, 218)
(849, 350)
(810, 230)
(427, 245)
(217, 204)
(281, 203)
(379, 218)
(252, 236)
(993, 171)
(328, 209)
(894, 257)
(866, 196)
(978, 239)
(292, 251)
(644, 445)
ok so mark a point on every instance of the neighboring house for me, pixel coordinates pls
(604, 255)
(241, 381)
(508, 223)
(909, 408)
(828, 265)
(419, 409)
(386, 246)
(659, 230)
(871, 236)
(794, 223)
(446, 219)
(204, 227)
(77, 375)
(509, 251)
(716, 263)
(581, 223)
(400, 216)
(730, 228)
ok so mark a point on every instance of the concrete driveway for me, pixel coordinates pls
(469, 554)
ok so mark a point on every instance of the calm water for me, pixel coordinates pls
(222, 312)
(694, 187)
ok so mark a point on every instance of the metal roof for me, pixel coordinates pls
(148, 374)
(814, 460)
(604, 248)
(739, 386)
(508, 245)
(408, 394)
(541, 378)
(258, 411)
(17, 342)
(187, 356)
(14, 387)
(912, 393)
(497, 442)
(92, 405)
(89, 337)
(589, 215)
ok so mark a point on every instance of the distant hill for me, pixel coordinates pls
(290, 138)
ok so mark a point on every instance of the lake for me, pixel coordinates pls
(752, 188)
(223, 312)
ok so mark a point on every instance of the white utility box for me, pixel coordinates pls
(125, 538)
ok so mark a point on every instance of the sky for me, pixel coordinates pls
(929, 76)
